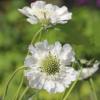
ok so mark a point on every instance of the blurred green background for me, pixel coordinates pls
(82, 32)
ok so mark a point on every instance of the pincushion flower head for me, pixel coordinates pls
(46, 14)
(89, 71)
(49, 66)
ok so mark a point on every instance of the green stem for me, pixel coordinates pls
(33, 40)
(18, 91)
(93, 88)
(24, 92)
(10, 79)
(34, 37)
(73, 85)
(37, 33)
(70, 90)
(39, 39)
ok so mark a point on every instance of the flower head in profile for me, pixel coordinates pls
(49, 66)
(89, 71)
(46, 14)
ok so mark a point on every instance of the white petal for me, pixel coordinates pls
(65, 62)
(71, 77)
(30, 61)
(71, 74)
(42, 45)
(66, 17)
(67, 81)
(38, 4)
(49, 86)
(37, 82)
(56, 49)
(32, 49)
(87, 72)
(54, 19)
(55, 7)
(61, 15)
(67, 76)
(96, 65)
(61, 10)
(67, 48)
(26, 11)
(35, 53)
(28, 74)
(67, 53)
(32, 20)
(59, 87)
(62, 22)
(51, 7)
(40, 50)
(31, 73)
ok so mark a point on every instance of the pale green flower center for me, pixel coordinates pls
(43, 16)
(50, 65)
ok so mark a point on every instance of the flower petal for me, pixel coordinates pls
(67, 53)
(62, 22)
(26, 11)
(59, 87)
(32, 20)
(38, 4)
(61, 11)
(87, 72)
(49, 86)
(66, 17)
(51, 7)
(37, 82)
(56, 49)
(30, 61)
(42, 45)
(32, 49)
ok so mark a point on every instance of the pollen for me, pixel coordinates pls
(50, 65)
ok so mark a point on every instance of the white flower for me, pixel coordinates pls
(46, 14)
(49, 66)
(88, 72)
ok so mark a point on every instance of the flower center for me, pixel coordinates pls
(43, 16)
(50, 65)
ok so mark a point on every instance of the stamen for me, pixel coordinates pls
(50, 65)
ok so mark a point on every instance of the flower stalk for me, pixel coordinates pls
(10, 79)
(18, 91)
(36, 34)
(93, 88)
(24, 92)
(73, 85)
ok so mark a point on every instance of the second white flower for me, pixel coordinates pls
(50, 66)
